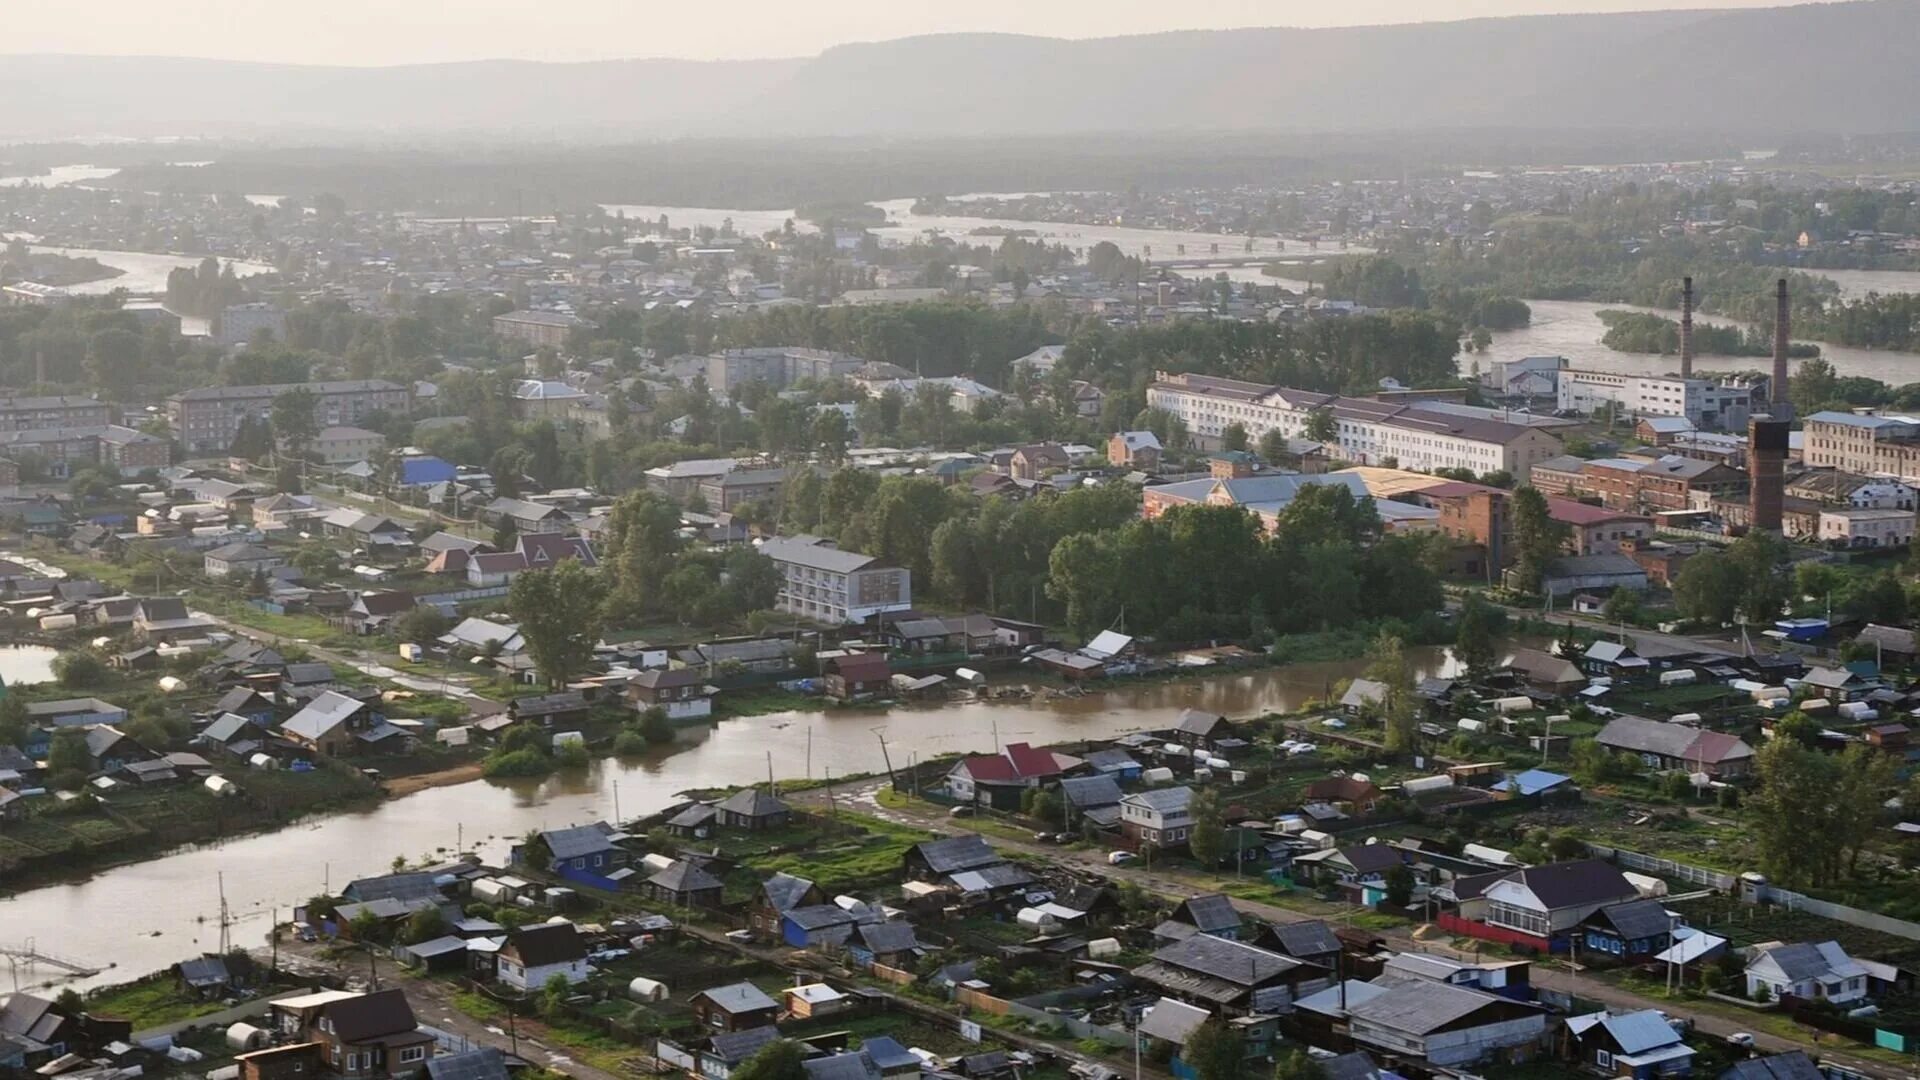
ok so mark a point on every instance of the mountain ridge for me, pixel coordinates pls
(1745, 70)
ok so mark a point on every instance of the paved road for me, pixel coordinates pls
(1548, 973)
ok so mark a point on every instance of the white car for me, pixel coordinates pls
(1300, 748)
(1740, 1039)
(1333, 722)
(1120, 858)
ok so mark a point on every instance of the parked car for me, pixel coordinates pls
(961, 811)
(742, 937)
(1120, 858)
(1740, 1039)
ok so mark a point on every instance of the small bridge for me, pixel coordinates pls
(29, 954)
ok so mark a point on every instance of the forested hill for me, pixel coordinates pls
(1756, 71)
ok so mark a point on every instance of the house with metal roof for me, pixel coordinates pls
(1445, 1026)
(1632, 930)
(934, 859)
(1230, 977)
(335, 725)
(1544, 904)
(1000, 780)
(588, 854)
(737, 1006)
(1810, 971)
(753, 810)
(683, 883)
(1670, 747)
(1093, 798)
(1157, 818)
(1639, 1045)
(1212, 913)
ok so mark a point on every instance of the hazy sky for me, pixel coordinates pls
(403, 31)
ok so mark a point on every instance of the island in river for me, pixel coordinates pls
(46, 268)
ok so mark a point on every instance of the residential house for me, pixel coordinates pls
(1093, 799)
(858, 676)
(240, 560)
(533, 955)
(1809, 971)
(1445, 1026)
(369, 531)
(1630, 931)
(1360, 868)
(479, 1063)
(683, 883)
(1347, 794)
(1312, 941)
(1134, 450)
(779, 894)
(735, 1007)
(1205, 731)
(550, 711)
(1035, 461)
(812, 926)
(1160, 818)
(1594, 530)
(753, 810)
(1000, 780)
(368, 1036)
(527, 517)
(728, 1050)
(1119, 764)
(335, 725)
(1543, 905)
(248, 702)
(1670, 747)
(1230, 977)
(375, 612)
(1211, 913)
(682, 693)
(1792, 1065)
(109, 749)
(205, 976)
(586, 853)
(821, 582)
(1547, 672)
(891, 944)
(934, 859)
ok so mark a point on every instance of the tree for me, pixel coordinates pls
(425, 925)
(642, 539)
(316, 561)
(1273, 447)
(1387, 663)
(79, 669)
(14, 719)
(1707, 588)
(1798, 727)
(293, 419)
(1234, 437)
(1756, 559)
(778, 1060)
(1215, 1052)
(422, 623)
(1473, 643)
(1399, 885)
(68, 761)
(506, 535)
(1207, 839)
(560, 617)
(1322, 426)
(1537, 538)
(1622, 606)
(1298, 1065)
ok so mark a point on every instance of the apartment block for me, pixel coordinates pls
(63, 451)
(540, 329)
(778, 367)
(30, 413)
(1412, 434)
(1863, 443)
(823, 583)
(206, 420)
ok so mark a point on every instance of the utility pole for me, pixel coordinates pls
(880, 733)
(616, 804)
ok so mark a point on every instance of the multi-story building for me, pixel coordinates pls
(1706, 404)
(823, 583)
(29, 413)
(1415, 434)
(346, 445)
(1863, 443)
(240, 323)
(540, 329)
(1835, 488)
(1866, 528)
(778, 367)
(206, 420)
(1594, 530)
(62, 451)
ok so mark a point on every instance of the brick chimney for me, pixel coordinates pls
(1782, 327)
(1686, 328)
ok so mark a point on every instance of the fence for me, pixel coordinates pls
(1667, 868)
(896, 976)
(1453, 923)
(986, 1003)
(1826, 909)
(1078, 1028)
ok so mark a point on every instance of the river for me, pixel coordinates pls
(21, 664)
(147, 915)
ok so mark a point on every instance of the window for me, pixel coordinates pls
(413, 1054)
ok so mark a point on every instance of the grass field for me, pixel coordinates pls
(149, 1003)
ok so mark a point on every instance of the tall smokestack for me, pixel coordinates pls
(1686, 328)
(1766, 472)
(1782, 328)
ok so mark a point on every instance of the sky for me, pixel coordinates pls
(379, 32)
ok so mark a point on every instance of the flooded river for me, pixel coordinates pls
(147, 915)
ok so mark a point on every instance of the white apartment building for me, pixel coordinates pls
(823, 583)
(1708, 405)
(1415, 435)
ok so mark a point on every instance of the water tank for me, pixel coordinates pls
(642, 989)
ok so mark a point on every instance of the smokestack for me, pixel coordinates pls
(1782, 328)
(1686, 328)
(1766, 471)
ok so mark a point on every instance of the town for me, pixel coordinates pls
(521, 563)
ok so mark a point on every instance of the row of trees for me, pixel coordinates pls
(650, 572)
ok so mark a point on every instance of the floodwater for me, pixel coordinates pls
(21, 664)
(903, 226)
(58, 175)
(143, 272)
(147, 915)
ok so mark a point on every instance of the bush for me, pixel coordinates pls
(631, 743)
(572, 755)
(79, 669)
(518, 763)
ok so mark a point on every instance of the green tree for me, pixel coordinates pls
(559, 614)
(1215, 1052)
(1399, 885)
(1234, 437)
(1298, 1065)
(1387, 663)
(1622, 606)
(642, 540)
(1207, 839)
(425, 925)
(778, 1060)
(1799, 728)
(1322, 427)
(14, 720)
(423, 623)
(1473, 643)
(1537, 538)
(1756, 559)
(1707, 589)
(294, 419)
(79, 670)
